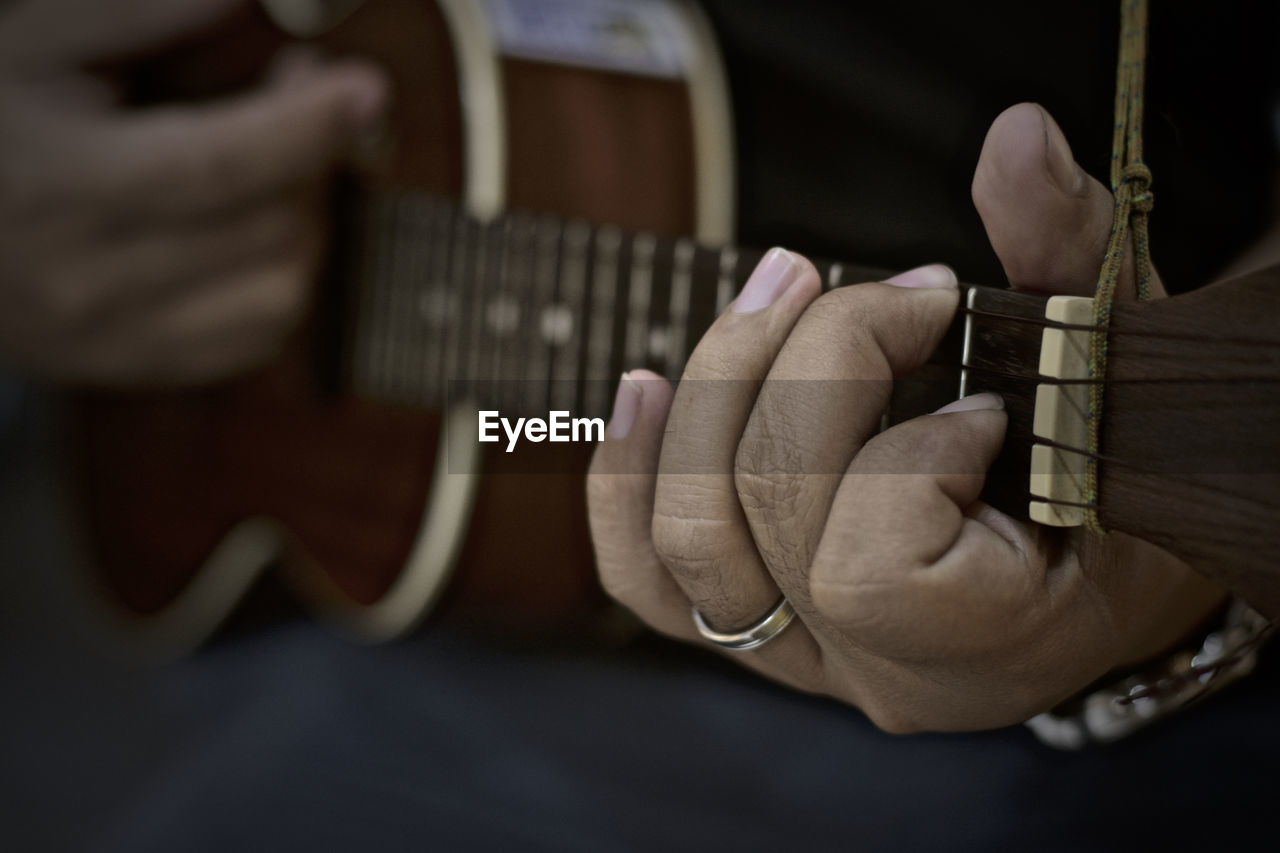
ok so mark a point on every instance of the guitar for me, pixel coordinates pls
(351, 463)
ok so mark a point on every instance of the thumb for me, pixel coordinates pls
(1046, 218)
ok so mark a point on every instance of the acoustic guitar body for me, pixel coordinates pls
(189, 496)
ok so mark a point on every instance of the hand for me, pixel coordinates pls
(161, 245)
(917, 602)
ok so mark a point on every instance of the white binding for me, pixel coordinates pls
(715, 196)
(483, 100)
(435, 550)
(239, 559)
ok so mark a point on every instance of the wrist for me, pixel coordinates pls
(1224, 654)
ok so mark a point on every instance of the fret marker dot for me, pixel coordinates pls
(437, 307)
(503, 315)
(557, 324)
(658, 342)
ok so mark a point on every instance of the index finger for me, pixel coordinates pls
(698, 526)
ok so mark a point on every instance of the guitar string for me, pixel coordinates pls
(471, 241)
(397, 213)
(975, 368)
(668, 245)
(407, 386)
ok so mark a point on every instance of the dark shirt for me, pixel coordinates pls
(859, 124)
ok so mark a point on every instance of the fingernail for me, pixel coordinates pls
(973, 403)
(930, 276)
(1059, 160)
(771, 277)
(626, 405)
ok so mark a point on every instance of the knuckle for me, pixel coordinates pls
(830, 601)
(780, 494)
(834, 303)
(688, 547)
(789, 430)
(856, 604)
(617, 583)
(843, 309)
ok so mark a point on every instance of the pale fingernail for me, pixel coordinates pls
(985, 401)
(770, 279)
(930, 276)
(626, 405)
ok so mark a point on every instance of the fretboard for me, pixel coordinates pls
(533, 313)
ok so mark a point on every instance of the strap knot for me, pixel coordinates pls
(1131, 183)
(1138, 178)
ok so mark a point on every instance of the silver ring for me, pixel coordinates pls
(749, 638)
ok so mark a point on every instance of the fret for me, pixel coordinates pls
(507, 311)
(833, 275)
(558, 326)
(603, 293)
(475, 301)
(455, 299)
(726, 285)
(679, 306)
(434, 309)
(537, 349)
(500, 305)
(536, 313)
(661, 272)
(967, 346)
(636, 344)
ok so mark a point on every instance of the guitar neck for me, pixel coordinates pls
(534, 313)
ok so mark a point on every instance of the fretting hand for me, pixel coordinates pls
(916, 602)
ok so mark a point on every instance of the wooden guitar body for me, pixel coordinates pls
(188, 496)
